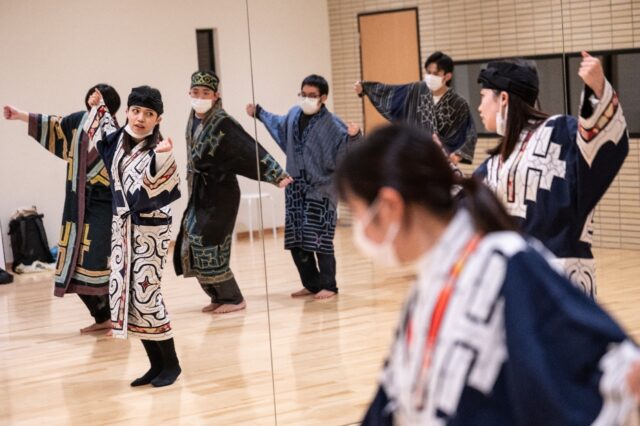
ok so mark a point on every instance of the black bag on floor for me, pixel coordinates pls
(28, 238)
(5, 277)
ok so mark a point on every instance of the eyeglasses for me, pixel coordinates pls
(309, 95)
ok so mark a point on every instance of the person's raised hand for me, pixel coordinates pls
(251, 110)
(95, 98)
(165, 145)
(357, 87)
(12, 113)
(592, 74)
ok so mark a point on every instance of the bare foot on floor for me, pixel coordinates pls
(106, 325)
(211, 307)
(227, 308)
(109, 333)
(324, 295)
(301, 293)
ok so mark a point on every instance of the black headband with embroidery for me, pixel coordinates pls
(206, 79)
(512, 78)
(146, 97)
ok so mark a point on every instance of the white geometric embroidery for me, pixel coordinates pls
(618, 402)
(536, 170)
(471, 347)
(612, 132)
(581, 272)
(475, 342)
(544, 164)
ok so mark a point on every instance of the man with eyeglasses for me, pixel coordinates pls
(313, 139)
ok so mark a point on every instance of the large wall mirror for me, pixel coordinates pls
(327, 354)
(52, 57)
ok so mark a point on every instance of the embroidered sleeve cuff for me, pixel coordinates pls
(34, 124)
(618, 400)
(164, 163)
(161, 159)
(591, 114)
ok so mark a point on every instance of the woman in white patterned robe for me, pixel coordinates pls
(144, 181)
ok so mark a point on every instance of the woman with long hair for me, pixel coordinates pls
(550, 172)
(490, 333)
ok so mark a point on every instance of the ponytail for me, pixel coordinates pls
(407, 159)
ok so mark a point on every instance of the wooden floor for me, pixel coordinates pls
(326, 355)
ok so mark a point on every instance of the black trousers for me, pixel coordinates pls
(98, 306)
(317, 270)
(225, 292)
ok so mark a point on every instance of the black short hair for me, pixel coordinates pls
(442, 61)
(318, 82)
(109, 95)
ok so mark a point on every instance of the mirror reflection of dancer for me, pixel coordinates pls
(490, 333)
(314, 140)
(430, 104)
(550, 172)
(218, 150)
(82, 266)
(144, 181)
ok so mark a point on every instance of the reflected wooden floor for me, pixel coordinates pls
(326, 355)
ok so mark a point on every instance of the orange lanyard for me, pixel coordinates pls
(437, 316)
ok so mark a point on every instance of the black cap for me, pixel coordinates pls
(520, 80)
(147, 97)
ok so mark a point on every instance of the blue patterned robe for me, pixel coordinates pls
(553, 187)
(518, 343)
(311, 201)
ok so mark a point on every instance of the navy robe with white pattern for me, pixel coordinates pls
(565, 169)
(518, 343)
(413, 103)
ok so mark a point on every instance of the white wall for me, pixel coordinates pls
(290, 40)
(52, 52)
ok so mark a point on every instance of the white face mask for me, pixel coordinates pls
(201, 105)
(501, 121)
(133, 133)
(434, 82)
(383, 253)
(309, 106)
